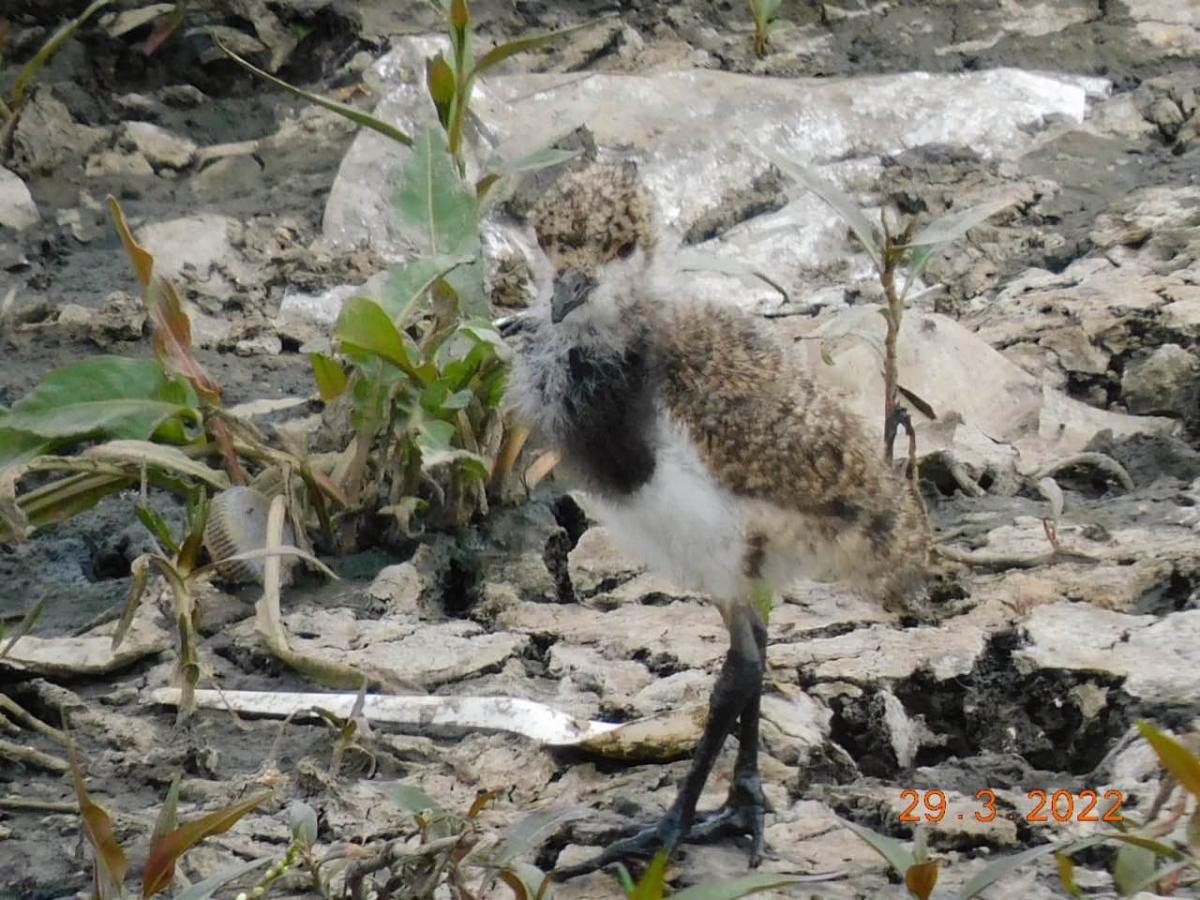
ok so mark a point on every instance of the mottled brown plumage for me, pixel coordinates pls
(713, 457)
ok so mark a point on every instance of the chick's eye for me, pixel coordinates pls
(626, 250)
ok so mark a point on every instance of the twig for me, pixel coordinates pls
(1101, 461)
(31, 721)
(18, 753)
(999, 562)
(396, 851)
(23, 803)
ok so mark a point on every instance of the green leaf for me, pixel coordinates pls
(102, 396)
(501, 52)
(529, 833)
(1176, 758)
(1066, 874)
(412, 799)
(1007, 865)
(841, 203)
(652, 884)
(955, 224)
(358, 117)
(409, 283)
(303, 820)
(30, 69)
(330, 377)
(890, 849)
(363, 327)
(1152, 880)
(436, 201)
(19, 447)
(434, 198)
(204, 890)
(158, 528)
(434, 434)
(140, 572)
(1132, 866)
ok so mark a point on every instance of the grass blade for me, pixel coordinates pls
(356, 116)
(955, 224)
(30, 69)
(204, 890)
(26, 625)
(890, 849)
(97, 828)
(746, 885)
(527, 834)
(841, 203)
(501, 52)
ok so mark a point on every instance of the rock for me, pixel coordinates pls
(115, 164)
(72, 315)
(197, 242)
(1166, 114)
(266, 344)
(17, 209)
(598, 564)
(229, 176)
(1163, 383)
(141, 106)
(399, 587)
(661, 119)
(1159, 658)
(47, 136)
(160, 147)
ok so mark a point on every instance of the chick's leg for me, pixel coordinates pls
(744, 808)
(735, 693)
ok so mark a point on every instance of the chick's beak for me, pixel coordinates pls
(571, 290)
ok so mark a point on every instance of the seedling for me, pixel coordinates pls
(892, 250)
(13, 102)
(764, 13)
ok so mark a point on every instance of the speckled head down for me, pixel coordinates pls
(593, 216)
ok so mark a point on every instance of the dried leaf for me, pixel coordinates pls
(97, 828)
(921, 879)
(140, 572)
(24, 626)
(166, 849)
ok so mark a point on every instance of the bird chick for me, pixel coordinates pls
(712, 457)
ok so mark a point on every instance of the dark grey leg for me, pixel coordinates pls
(734, 695)
(745, 806)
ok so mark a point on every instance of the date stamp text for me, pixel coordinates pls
(1045, 806)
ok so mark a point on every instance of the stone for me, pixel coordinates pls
(399, 588)
(228, 176)
(596, 563)
(1163, 383)
(47, 136)
(197, 242)
(677, 124)
(162, 148)
(1159, 658)
(115, 164)
(17, 209)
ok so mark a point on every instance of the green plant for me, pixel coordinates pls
(891, 250)
(764, 13)
(18, 91)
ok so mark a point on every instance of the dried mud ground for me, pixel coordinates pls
(1030, 678)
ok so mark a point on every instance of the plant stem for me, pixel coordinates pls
(895, 311)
